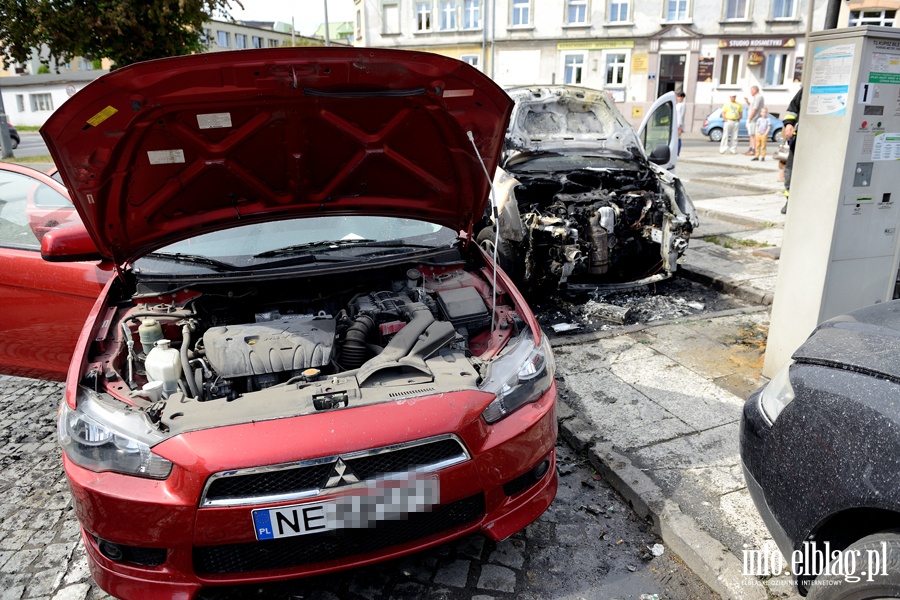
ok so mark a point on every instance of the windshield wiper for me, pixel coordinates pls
(300, 248)
(194, 259)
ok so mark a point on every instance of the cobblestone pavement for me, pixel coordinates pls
(589, 544)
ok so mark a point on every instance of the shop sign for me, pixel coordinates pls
(757, 43)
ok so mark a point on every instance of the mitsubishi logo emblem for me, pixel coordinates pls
(341, 475)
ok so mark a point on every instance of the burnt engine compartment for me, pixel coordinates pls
(326, 339)
(584, 225)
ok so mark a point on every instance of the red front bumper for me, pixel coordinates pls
(164, 514)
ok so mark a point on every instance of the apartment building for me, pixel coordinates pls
(31, 93)
(636, 49)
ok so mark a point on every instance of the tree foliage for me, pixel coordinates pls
(125, 31)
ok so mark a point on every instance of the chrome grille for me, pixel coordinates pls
(292, 481)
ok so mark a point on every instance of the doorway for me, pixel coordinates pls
(671, 73)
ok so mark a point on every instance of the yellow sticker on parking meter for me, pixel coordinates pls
(102, 116)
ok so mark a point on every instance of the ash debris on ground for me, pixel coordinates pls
(600, 311)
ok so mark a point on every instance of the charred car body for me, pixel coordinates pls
(301, 366)
(581, 205)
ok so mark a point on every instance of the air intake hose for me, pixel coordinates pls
(356, 351)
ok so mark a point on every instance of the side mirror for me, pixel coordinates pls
(69, 243)
(660, 155)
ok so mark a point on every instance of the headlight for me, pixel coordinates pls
(777, 394)
(100, 437)
(519, 377)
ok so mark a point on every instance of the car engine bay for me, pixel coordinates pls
(584, 228)
(213, 354)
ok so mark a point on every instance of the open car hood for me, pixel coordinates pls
(560, 118)
(168, 149)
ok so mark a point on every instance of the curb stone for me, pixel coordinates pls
(733, 219)
(727, 285)
(558, 341)
(703, 554)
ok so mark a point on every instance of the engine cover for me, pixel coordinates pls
(288, 344)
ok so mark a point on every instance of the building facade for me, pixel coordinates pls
(869, 12)
(30, 96)
(635, 49)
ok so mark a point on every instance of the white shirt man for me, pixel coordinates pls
(756, 102)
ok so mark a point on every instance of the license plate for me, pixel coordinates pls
(381, 500)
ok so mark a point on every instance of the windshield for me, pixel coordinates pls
(544, 118)
(299, 241)
(551, 161)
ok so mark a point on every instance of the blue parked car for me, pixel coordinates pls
(714, 125)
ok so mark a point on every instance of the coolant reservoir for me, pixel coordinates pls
(164, 364)
(150, 332)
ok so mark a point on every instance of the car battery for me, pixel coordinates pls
(464, 308)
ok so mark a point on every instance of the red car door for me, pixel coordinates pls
(43, 305)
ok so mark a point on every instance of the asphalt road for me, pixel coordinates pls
(31, 144)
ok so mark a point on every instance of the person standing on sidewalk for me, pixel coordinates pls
(679, 116)
(757, 103)
(763, 127)
(731, 113)
(789, 132)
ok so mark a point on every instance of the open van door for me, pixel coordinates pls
(659, 130)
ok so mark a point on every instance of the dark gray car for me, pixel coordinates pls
(819, 447)
(13, 135)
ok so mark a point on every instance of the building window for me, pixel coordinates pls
(735, 9)
(731, 69)
(576, 12)
(256, 41)
(573, 68)
(240, 41)
(618, 11)
(222, 38)
(471, 59)
(85, 64)
(783, 9)
(423, 16)
(448, 15)
(776, 67)
(676, 10)
(41, 102)
(20, 102)
(208, 37)
(273, 43)
(615, 69)
(884, 18)
(521, 12)
(390, 18)
(472, 14)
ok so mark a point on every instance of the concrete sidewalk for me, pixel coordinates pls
(658, 406)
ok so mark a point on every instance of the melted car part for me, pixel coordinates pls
(584, 225)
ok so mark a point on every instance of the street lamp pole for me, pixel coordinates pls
(5, 141)
(327, 34)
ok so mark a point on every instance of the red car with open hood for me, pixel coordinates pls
(303, 362)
